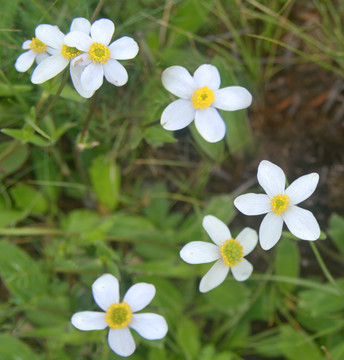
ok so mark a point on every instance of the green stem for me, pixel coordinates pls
(97, 10)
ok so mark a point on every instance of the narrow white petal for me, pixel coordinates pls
(24, 61)
(232, 98)
(50, 35)
(105, 291)
(26, 44)
(199, 252)
(270, 230)
(302, 188)
(121, 341)
(214, 277)
(271, 178)
(40, 57)
(92, 77)
(216, 229)
(207, 75)
(124, 48)
(48, 68)
(248, 239)
(302, 223)
(149, 326)
(75, 73)
(81, 60)
(89, 320)
(139, 296)
(81, 24)
(253, 204)
(178, 115)
(102, 31)
(78, 39)
(178, 81)
(115, 73)
(242, 271)
(210, 124)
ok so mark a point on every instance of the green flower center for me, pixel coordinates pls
(279, 204)
(38, 46)
(118, 316)
(69, 52)
(202, 98)
(99, 53)
(232, 252)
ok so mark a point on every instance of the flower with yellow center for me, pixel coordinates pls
(120, 317)
(227, 252)
(280, 205)
(200, 98)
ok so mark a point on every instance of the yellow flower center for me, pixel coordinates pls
(118, 316)
(99, 53)
(69, 52)
(37, 46)
(279, 204)
(232, 252)
(202, 98)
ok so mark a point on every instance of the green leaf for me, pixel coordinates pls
(158, 136)
(336, 231)
(222, 207)
(188, 338)
(12, 156)
(26, 136)
(14, 349)
(28, 198)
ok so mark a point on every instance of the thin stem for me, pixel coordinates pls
(90, 113)
(97, 10)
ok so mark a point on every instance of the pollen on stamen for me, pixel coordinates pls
(202, 98)
(232, 252)
(118, 316)
(38, 46)
(99, 53)
(279, 203)
(69, 52)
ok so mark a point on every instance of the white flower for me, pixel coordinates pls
(200, 97)
(280, 205)
(120, 316)
(228, 252)
(61, 54)
(100, 58)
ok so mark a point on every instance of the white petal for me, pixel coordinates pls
(115, 73)
(124, 48)
(301, 223)
(92, 77)
(210, 124)
(178, 81)
(302, 188)
(270, 230)
(81, 24)
(89, 320)
(242, 271)
(102, 31)
(214, 277)
(105, 291)
(178, 115)
(40, 57)
(139, 296)
(25, 60)
(207, 75)
(199, 252)
(121, 341)
(50, 35)
(75, 73)
(232, 98)
(81, 60)
(149, 326)
(248, 239)
(78, 39)
(216, 229)
(48, 68)
(253, 204)
(26, 44)
(271, 178)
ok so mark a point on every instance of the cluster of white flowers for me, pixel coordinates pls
(86, 48)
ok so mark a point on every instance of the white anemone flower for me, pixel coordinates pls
(200, 97)
(61, 54)
(121, 316)
(227, 252)
(279, 205)
(100, 58)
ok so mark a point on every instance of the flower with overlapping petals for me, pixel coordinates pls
(99, 59)
(200, 97)
(227, 252)
(120, 317)
(280, 205)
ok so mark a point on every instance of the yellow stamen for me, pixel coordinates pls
(202, 98)
(232, 252)
(99, 53)
(69, 52)
(37, 46)
(118, 316)
(279, 204)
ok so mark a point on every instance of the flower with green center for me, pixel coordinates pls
(99, 59)
(227, 252)
(200, 97)
(280, 205)
(120, 317)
